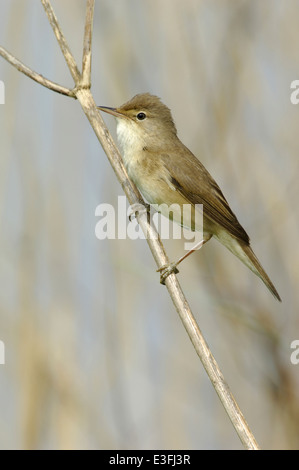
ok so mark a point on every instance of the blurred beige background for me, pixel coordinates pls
(96, 356)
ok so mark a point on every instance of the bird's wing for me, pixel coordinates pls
(196, 184)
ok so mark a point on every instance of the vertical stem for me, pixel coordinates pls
(86, 59)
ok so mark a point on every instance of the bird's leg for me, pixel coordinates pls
(168, 269)
(139, 208)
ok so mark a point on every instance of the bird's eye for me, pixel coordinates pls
(141, 116)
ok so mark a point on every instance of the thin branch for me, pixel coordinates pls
(35, 76)
(180, 302)
(85, 98)
(86, 59)
(62, 41)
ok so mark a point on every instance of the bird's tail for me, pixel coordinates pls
(244, 252)
(248, 257)
(253, 263)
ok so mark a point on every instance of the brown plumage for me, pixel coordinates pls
(165, 171)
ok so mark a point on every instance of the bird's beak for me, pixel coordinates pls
(112, 111)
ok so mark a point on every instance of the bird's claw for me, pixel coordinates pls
(138, 208)
(166, 270)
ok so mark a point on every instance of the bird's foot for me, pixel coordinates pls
(166, 270)
(137, 209)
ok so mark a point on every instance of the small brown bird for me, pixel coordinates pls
(165, 171)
